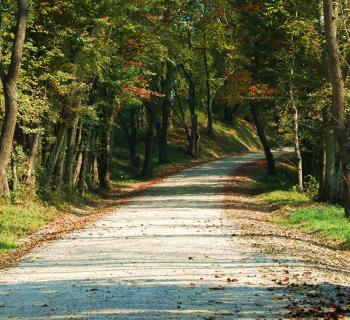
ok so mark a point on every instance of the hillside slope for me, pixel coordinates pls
(239, 138)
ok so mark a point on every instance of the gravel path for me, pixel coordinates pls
(168, 254)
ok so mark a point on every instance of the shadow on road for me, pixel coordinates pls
(132, 301)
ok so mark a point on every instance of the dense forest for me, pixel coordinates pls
(77, 73)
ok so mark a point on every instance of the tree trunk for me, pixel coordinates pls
(163, 135)
(78, 155)
(208, 87)
(195, 129)
(54, 154)
(182, 117)
(297, 142)
(338, 182)
(78, 163)
(134, 156)
(192, 149)
(6, 187)
(14, 176)
(262, 136)
(59, 170)
(194, 137)
(330, 174)
(31, 159)
(9, 82)
(84, 164)
(230, 114)
(71, 153)
(94, 169)
(166, 109)
(330, 181)
(338, 100)
(78, 141)
(322, 171)
(149, 141)
(105, 147)
(131, 136)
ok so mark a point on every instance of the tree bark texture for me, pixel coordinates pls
(105, 147)
(166, 86)
(149, 141)
(9, 80)
(338, 99)
(297, 149)
(262, 136)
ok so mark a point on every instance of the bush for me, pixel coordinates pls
(311, 187)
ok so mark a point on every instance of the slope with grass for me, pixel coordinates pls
(327, 220)
(299, 210)
(20, 220)
(239, 138)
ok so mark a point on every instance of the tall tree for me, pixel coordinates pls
(9, 77)
(338, 101)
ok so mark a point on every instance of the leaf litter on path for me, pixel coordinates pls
(315, 276)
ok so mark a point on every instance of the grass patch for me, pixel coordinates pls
(19, 221)
(299, 210)
(65, 200)
(279, 190)
(327, 220)
(283, 198)
(26, 216)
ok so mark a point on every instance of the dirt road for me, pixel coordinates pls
(168, 254)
